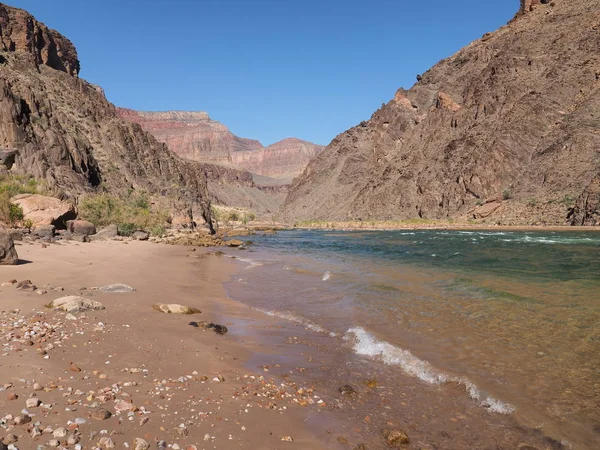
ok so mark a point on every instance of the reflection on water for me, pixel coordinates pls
(515, 315)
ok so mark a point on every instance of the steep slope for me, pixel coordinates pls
(66, 132)
(194, 135)
(507, 130)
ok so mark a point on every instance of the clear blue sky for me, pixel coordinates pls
(268, 69)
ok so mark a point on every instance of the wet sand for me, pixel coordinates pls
(266, 384)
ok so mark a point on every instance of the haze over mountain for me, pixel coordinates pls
(506, 130)
(194, 135)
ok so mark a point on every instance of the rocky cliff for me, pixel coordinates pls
(68, 135)
(507, 130)
(194, 135)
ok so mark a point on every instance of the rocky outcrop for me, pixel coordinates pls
(69, 136)
(512, 116)
(20, 32)
(194, 135)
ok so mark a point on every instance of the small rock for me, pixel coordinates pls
(73, 439)
(161, 445)
(22, 419)
(32, 402)
(287, 439)
(106, 443)
(37, 387)
(342, 440)
(395, 438)
(75, 303)
(234, 243)
(140, 236)
(101, 414)
(25, 285)
(12, 396)
(74, 367)
(219, 329)
(371, 382)
(174, 308)
(9, 283)
(115, 288)
(60, 432)
(140, 444)
(346, 390)
(54, 443)
(41, 292)
(10, 439)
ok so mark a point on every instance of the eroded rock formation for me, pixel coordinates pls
(67, 134)
(194, 135)
(506, 130)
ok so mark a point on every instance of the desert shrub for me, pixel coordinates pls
(9, 213)
(251, 216)
(15, 185)
(506, 194)
(233, 216)
(158, 230)
(129, 214)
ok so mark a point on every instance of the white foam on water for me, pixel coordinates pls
(251, 263)
(326, 275)
(297, 319)
(366, 344)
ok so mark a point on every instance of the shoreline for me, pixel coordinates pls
(351, 226)
(281, 380)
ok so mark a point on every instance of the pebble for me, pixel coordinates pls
(53, 443)
(10, 439)
(60, 433)
(37, 387)
(12, 396)
(106, 443)
(346, 390)
(140, 444)
(101, 414)
(396, 438)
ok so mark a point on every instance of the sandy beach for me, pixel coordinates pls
(161, 379)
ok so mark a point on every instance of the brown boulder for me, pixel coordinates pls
(8, 254)
(42, 210)
(81, 227)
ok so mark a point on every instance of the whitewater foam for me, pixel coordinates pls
(366, 344)
(251, 263)
(297, 319)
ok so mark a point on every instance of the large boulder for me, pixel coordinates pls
(44, 231)
(108, 232)
(8, 254)
(81, 227)
(42, 210)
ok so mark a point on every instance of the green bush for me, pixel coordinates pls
(233, 216)
(506, 194)
(129, 214)
(15, 185)
(9, 213)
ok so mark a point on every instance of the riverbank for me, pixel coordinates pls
(268, 383)
(432, 225)
(158, 377)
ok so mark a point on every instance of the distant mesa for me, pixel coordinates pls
(194, 135)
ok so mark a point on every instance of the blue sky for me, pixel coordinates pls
(268, 69)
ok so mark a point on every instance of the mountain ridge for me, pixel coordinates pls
(194, 135)
(503, 131)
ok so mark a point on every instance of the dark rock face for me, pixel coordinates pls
(20, 32)
(512, 116)
(66, 132)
